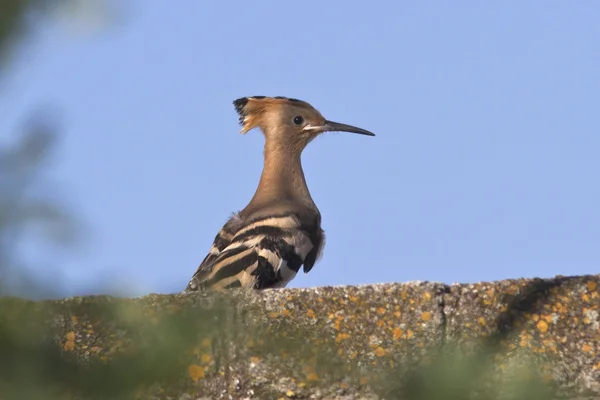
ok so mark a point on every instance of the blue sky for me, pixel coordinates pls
(485, 164)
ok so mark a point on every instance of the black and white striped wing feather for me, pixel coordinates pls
(259, 253)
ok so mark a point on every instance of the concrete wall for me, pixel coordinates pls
(346, 342)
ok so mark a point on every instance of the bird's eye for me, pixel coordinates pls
(298, 120)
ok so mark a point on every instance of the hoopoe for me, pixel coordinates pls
(265, 244)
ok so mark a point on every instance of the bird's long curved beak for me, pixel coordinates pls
(331, 126)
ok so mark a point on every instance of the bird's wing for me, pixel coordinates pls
(221, 241)
(263, 252)
(318, 239)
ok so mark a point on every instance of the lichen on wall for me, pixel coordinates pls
(417, 339)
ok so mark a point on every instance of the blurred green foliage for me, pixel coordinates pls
(98, 348)
(27, 205)
(13, 24)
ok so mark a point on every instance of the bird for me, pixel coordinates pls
(264, 245)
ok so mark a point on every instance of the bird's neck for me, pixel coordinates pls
(282, 178)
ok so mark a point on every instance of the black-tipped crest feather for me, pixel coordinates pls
(239, 105)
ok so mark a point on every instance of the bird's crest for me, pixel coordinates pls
(250, 109)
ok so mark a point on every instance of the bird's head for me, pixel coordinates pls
(287, 121)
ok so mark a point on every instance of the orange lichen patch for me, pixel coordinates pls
(397, 333)
(380, 323)
(559, 308)
(353, 355)
(585, 297)
(196, 372)
(409, 334)
(586, 347)
(426, 296)
(312, 377)
(364, 380)
(255, 360)
(481, 321)
(273, 314)
(74, 319)
(310, 313)
(341, 336)
(95, 349)
(69, 345)
(70, 336)
(426, 316)
(564, 299)
(397, 314)
(591, 286)
(285, 312)
(381, 310)
(353, 299)
(337, 324)
(205, 358)
(547, 317)
(380, 352)
(542, 325)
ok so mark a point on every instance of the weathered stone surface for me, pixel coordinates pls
(339, 342)
(556, 321)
